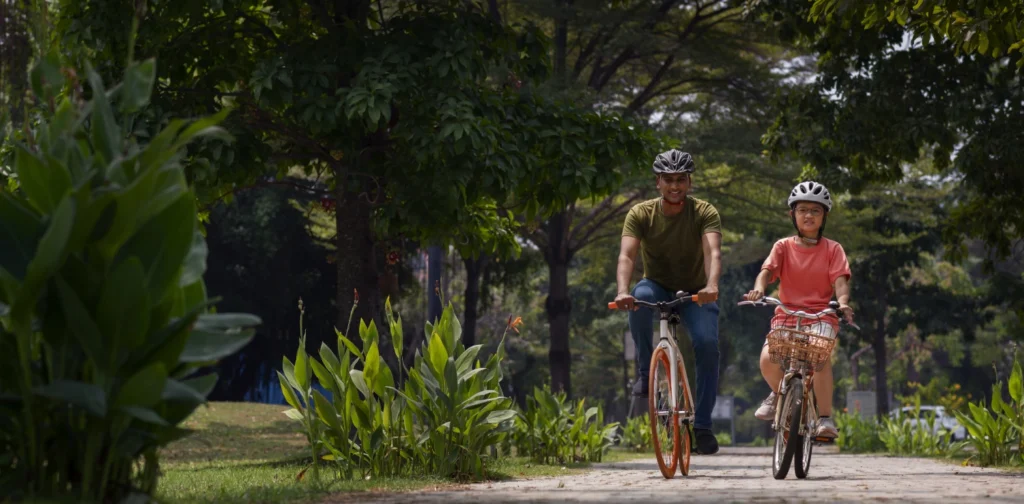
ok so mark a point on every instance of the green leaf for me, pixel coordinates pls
(162, 245)
(286, 390)
(44, 184)
(324, 376)
(360, 382)
(49, 257)
(106, 134)
(208, 346)
(437, 354)
(176, 391)
(329, 359)
(325, 410)
(123, 311)
(226, 321)
(145, 414)
(294, 414)
(343, 341)
(140, 389)
(203, 384)
(372, 367)
(497, 417)
(87, 396)
(468, 357)
(302, 370)
(82, 325)
(1017, 384)
(138, 85)
(195, 261)
(20, 231)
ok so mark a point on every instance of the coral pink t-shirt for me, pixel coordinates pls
(807, 276)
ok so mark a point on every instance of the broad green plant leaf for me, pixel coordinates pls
(87, 396)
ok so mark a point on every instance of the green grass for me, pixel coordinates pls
(246, 452)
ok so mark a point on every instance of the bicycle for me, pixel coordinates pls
(796, 412)
(669, 396)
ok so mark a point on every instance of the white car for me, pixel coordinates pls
(942, 420)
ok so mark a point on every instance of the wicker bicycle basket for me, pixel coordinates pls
(787, 342)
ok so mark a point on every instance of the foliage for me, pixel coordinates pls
(937, 391)
(550, 430)
(878, 103)
(636, 434)
(441, 421)
(901, 436)
(857, 434)
(102, 300)
(990, 28)
(994, 431)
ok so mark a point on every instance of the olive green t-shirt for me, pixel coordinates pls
(671, 247)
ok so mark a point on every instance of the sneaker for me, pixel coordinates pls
(706, 443)
(767, 409)
(827, 428)
(640, 388)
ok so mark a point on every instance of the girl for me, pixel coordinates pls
(811, 269)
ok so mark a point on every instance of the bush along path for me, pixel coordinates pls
(441, 420)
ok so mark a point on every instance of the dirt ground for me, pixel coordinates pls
(744, 475)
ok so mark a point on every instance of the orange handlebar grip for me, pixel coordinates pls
(613, 306)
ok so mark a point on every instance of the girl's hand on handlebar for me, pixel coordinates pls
(754, 295)
(847, 313)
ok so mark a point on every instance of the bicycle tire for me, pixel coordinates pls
(787, 435)
(686, 431)
(802, 464)
(663, 417)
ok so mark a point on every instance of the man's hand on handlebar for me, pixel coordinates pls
(624, 301)
(708, 294)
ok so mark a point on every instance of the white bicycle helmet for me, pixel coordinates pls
(813, 192)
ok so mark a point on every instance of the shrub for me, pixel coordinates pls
(442, 420)
(550, 430)
(856, 434)
(903, 437)
(101, 296)
(993, 433)
(636, 434)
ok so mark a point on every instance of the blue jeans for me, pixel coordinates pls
(702, 325)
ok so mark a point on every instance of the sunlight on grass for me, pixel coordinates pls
(247, 452)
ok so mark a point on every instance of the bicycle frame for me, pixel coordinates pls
(666, 339)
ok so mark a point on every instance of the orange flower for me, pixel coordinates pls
(514, 324)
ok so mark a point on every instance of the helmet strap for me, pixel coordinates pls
(806, 240)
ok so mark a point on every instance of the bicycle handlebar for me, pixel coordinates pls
(681, 297)
(831, 310)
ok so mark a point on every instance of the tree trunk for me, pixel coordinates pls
(357, 272)
(881, 378)
(561, 38)
(474, 270)
(435, 259)
(558, 305)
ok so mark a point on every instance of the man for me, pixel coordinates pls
(681, 238)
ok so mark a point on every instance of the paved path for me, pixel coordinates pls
(745, 475)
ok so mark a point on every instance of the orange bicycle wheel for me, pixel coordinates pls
(685, 403)
(664, 417)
